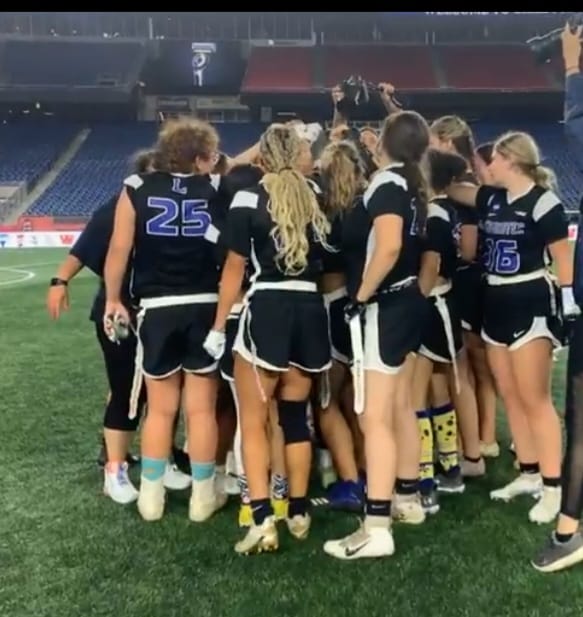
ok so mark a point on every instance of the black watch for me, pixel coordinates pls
(56, 282)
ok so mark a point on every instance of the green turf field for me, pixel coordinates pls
(67, 551)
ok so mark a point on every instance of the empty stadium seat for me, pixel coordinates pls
(68, 63)
(408, 67)
(286, 69)
(489, 67)
(28, 149)
(97, 170)
(96, 173)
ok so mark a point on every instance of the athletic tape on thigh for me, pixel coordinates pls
(138, 373)
(443, 311)
(357, 363)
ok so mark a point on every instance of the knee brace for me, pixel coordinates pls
(293, 419)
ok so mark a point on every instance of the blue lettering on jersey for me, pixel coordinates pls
(190, 219)
(176, 188)
(501, 256)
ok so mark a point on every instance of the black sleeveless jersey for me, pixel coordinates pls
(249, 233)
(176, 234)
(388, 193)
(440, 235)
(516, 234)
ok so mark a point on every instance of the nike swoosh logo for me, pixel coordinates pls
(350, 552)
(519, 333)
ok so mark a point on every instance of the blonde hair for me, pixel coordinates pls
(343, 174)
(181, 141)
(523, 151)
(458, 131)
(292, 202)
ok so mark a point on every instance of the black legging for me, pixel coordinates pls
(120, 369)
(572, 483)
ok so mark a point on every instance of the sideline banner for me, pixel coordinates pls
(66, 239)
(38, 239)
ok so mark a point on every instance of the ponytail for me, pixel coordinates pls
(545, 178)
(293, 208)
(418, 187)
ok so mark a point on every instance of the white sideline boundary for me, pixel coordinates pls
(26, 275)
(23, 272)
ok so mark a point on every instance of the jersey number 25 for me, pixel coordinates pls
(190, 218)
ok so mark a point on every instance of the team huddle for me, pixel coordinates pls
(378, 300)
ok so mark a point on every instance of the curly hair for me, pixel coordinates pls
(181, 141)
(343, 174)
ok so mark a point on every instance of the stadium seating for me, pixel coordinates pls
(68, 63)
(95, 173)
(97, 170)
(409, 67)
(504, 67)
(285, 69)
(28, 149)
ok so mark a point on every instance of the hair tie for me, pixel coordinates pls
(285, 169)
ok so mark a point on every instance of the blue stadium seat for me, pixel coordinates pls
(96, 172)
(69, 62)
(98, 169)
(28, 149)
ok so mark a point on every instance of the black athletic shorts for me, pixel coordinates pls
(393, 326)
(468, 289)
(339, 331)
(517, 313)
(442, 335)
(281, 328)
(226, 363)
(171, 336)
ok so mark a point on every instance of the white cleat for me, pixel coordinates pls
(205, 500)
(232, 485)
(151, 499)
(407, 509)
(525, 484)
(117, 485)
(175, 480)
(259, 539)
(548, 506)
(490, 450)
(362, 544)
(299, 526)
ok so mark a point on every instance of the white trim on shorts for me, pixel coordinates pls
(147, 304)
(372, 356)
(538, 329)
(235, 313)
(250, 355)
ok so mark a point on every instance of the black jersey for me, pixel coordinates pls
(249, 233)
(465, 216)
(388, 193)
(355, 230)
(516, 234)
(175, 235)
(440, 235)
(91, 250)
